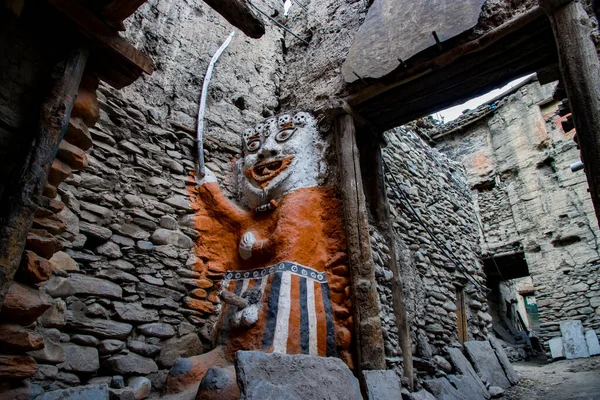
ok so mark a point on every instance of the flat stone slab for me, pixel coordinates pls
(486, 363)
(468, 382)
(574, 339)
(442, 389)
(89, 392)
(557, 349)
(382, 385)
(294, 377)
(399, 29)
(592, 342)
(509, 370)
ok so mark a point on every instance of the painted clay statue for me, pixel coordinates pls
(278, 261)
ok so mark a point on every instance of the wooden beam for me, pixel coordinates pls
(119, 10)
(410, 74)
(376, 195)
(124, 62)
(580, 70)
(369, 336)
(513, 56)
(239, 14)
(19, 201)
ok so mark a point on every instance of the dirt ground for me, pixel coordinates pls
(567, 379)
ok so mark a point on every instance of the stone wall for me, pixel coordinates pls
(436, 188)
(518, 158)
(126, 298)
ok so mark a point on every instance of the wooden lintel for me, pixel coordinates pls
(407, 75)
(549, 6)
(118, 10)
(110, 45)
(239, 14)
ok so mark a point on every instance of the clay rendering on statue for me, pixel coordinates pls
(278, 257)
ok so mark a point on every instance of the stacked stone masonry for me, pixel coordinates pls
(436, 187)
(124, 299)
(517, 158)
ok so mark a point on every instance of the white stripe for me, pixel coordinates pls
(312, 318)
(245, 285)
(283, 314)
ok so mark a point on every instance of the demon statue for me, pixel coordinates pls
(279, 260)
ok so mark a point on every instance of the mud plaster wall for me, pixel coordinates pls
(437, 189)
(127, 280)
(534, 203)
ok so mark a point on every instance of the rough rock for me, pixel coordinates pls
(55, 316)
(468, 382)
(382, 385)
(184, 346)
(574, 339)
(17, 367)
(164, 236)
(486, 363)
(496, 392)
(16, 338)
(34, 268)
(557, 349)
(80, 359)
(98, 327)
(509, 370)
(110, 346)
(218, 383)
(135, 312)
(23, 304)
(261, 375)
(144, 349)
(78, 284)
(130, 364)
(85, 340)
(157, 329)
(88, 392)
(420, 395)
(592, 342)
(53, 351)
(141, 387)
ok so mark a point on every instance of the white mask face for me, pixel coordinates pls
(281, 154)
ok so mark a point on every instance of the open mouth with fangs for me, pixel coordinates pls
(264, 171)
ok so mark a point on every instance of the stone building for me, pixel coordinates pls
(539, 231)
(317, 228)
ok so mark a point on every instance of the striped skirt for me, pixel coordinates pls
(295, 313)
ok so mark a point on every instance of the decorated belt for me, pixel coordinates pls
(284, 266)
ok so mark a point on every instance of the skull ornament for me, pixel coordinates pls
(281, 154)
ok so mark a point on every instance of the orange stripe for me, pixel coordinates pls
(321, 321)
(293, 342)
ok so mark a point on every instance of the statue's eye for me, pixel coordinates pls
(284, 135)
(254, 145)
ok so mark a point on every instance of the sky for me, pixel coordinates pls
(450, 114)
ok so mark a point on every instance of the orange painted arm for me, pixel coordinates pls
(217, 204)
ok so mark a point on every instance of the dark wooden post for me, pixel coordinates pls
(369, 337)
(20, 199)
(374, 183)
(580, 72)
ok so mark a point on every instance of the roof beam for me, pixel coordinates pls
(239, 14)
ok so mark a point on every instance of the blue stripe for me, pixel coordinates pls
(331, 346)
(304, 331)
(269, 332)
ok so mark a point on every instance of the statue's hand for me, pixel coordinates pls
(208, 177)
(246, 244)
